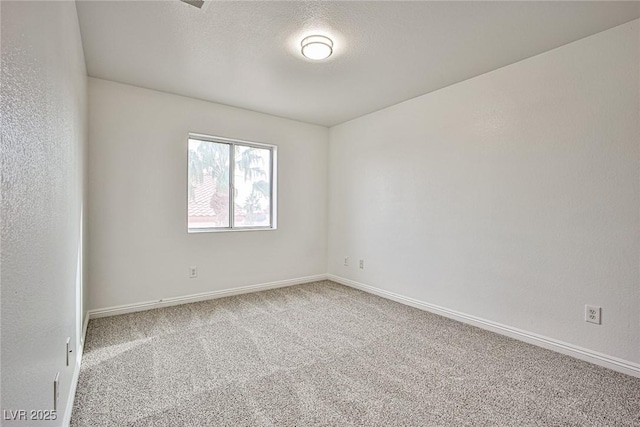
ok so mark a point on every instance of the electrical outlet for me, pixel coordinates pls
(592, 314)
(346, 261)
(193, 272)
(362, 264)
(69, 350)
(56, 391)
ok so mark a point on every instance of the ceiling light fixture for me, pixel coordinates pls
(317, 47)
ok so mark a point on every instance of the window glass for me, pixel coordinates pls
(230, 184)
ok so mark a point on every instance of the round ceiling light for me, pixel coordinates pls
(317, 47)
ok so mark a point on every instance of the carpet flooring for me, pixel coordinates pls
(325, 354)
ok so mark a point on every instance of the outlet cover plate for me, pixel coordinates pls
(56, 391)
(68, 349)
(592, 314)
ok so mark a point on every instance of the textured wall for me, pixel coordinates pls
(43, 148)
(140, 249)
(512, 196)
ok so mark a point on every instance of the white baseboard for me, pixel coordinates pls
(76, 374)
(611, 362)
(166, 302)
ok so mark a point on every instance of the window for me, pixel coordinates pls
(231, 185)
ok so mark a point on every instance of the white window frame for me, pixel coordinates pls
(273, 182)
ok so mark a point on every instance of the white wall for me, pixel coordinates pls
(512, 196)
(43, 173)
(140, 249)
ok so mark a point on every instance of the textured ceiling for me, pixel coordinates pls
(247, 54)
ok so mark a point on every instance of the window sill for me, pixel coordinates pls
(226, 230)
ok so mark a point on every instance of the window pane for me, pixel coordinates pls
(208, 184)
(252, 181)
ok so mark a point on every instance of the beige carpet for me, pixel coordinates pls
(325, 354)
